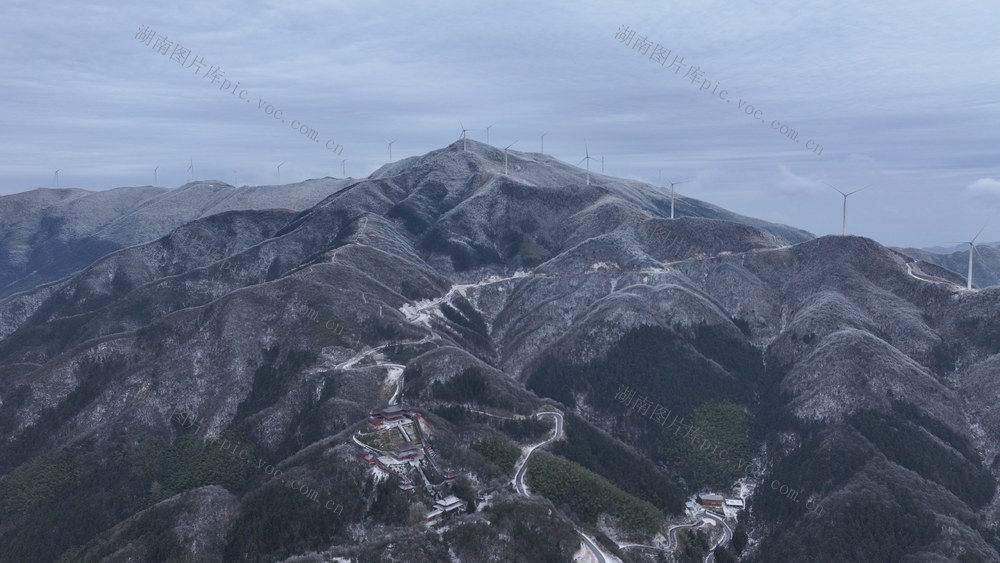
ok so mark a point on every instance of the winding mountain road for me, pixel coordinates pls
(671, 539)
(594, 549)
(522, 468)
(394, 371)
(727, 535)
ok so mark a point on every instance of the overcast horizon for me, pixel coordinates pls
(902, 97)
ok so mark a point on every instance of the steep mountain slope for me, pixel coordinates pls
(837, 368)
(985, 266)
(46, 234)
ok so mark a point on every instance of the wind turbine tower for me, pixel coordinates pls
(464, 131)
(343, 168)
(672, 195)
(843, 230)
(505, 157)
(972, 249)
(587, 159)
(390, 149)
(156, 179)
(191, 169)
(543, 141)
(488, 133)
(57, 177)
(279, 170)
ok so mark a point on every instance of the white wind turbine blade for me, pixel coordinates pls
(837, 189)
(505, 156)
(975, 238)
(985, 265)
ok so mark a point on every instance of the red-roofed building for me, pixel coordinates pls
(392, 413)
(710, 500)
(408, 451)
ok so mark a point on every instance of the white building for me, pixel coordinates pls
(450, 503)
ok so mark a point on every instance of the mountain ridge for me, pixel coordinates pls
(814, 357)
(68, 229)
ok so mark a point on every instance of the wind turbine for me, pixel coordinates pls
(602, 164)
(464, 131)
(543, 141)
(191, 169)
(343, 167)
(155, 177)
(844, 220)
(587, 159)
(672, 184)
(279, 170)
(972, 249)
(390, 148)
(505, 157)
(488, 133)
(57, 177)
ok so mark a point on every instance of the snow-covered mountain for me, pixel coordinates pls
(985, 264)
(857, 377)
(46, 234)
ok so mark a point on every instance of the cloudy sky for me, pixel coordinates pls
(904, 96)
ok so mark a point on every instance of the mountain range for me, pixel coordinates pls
(50, 233)
(847, 392)
(985, 264)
